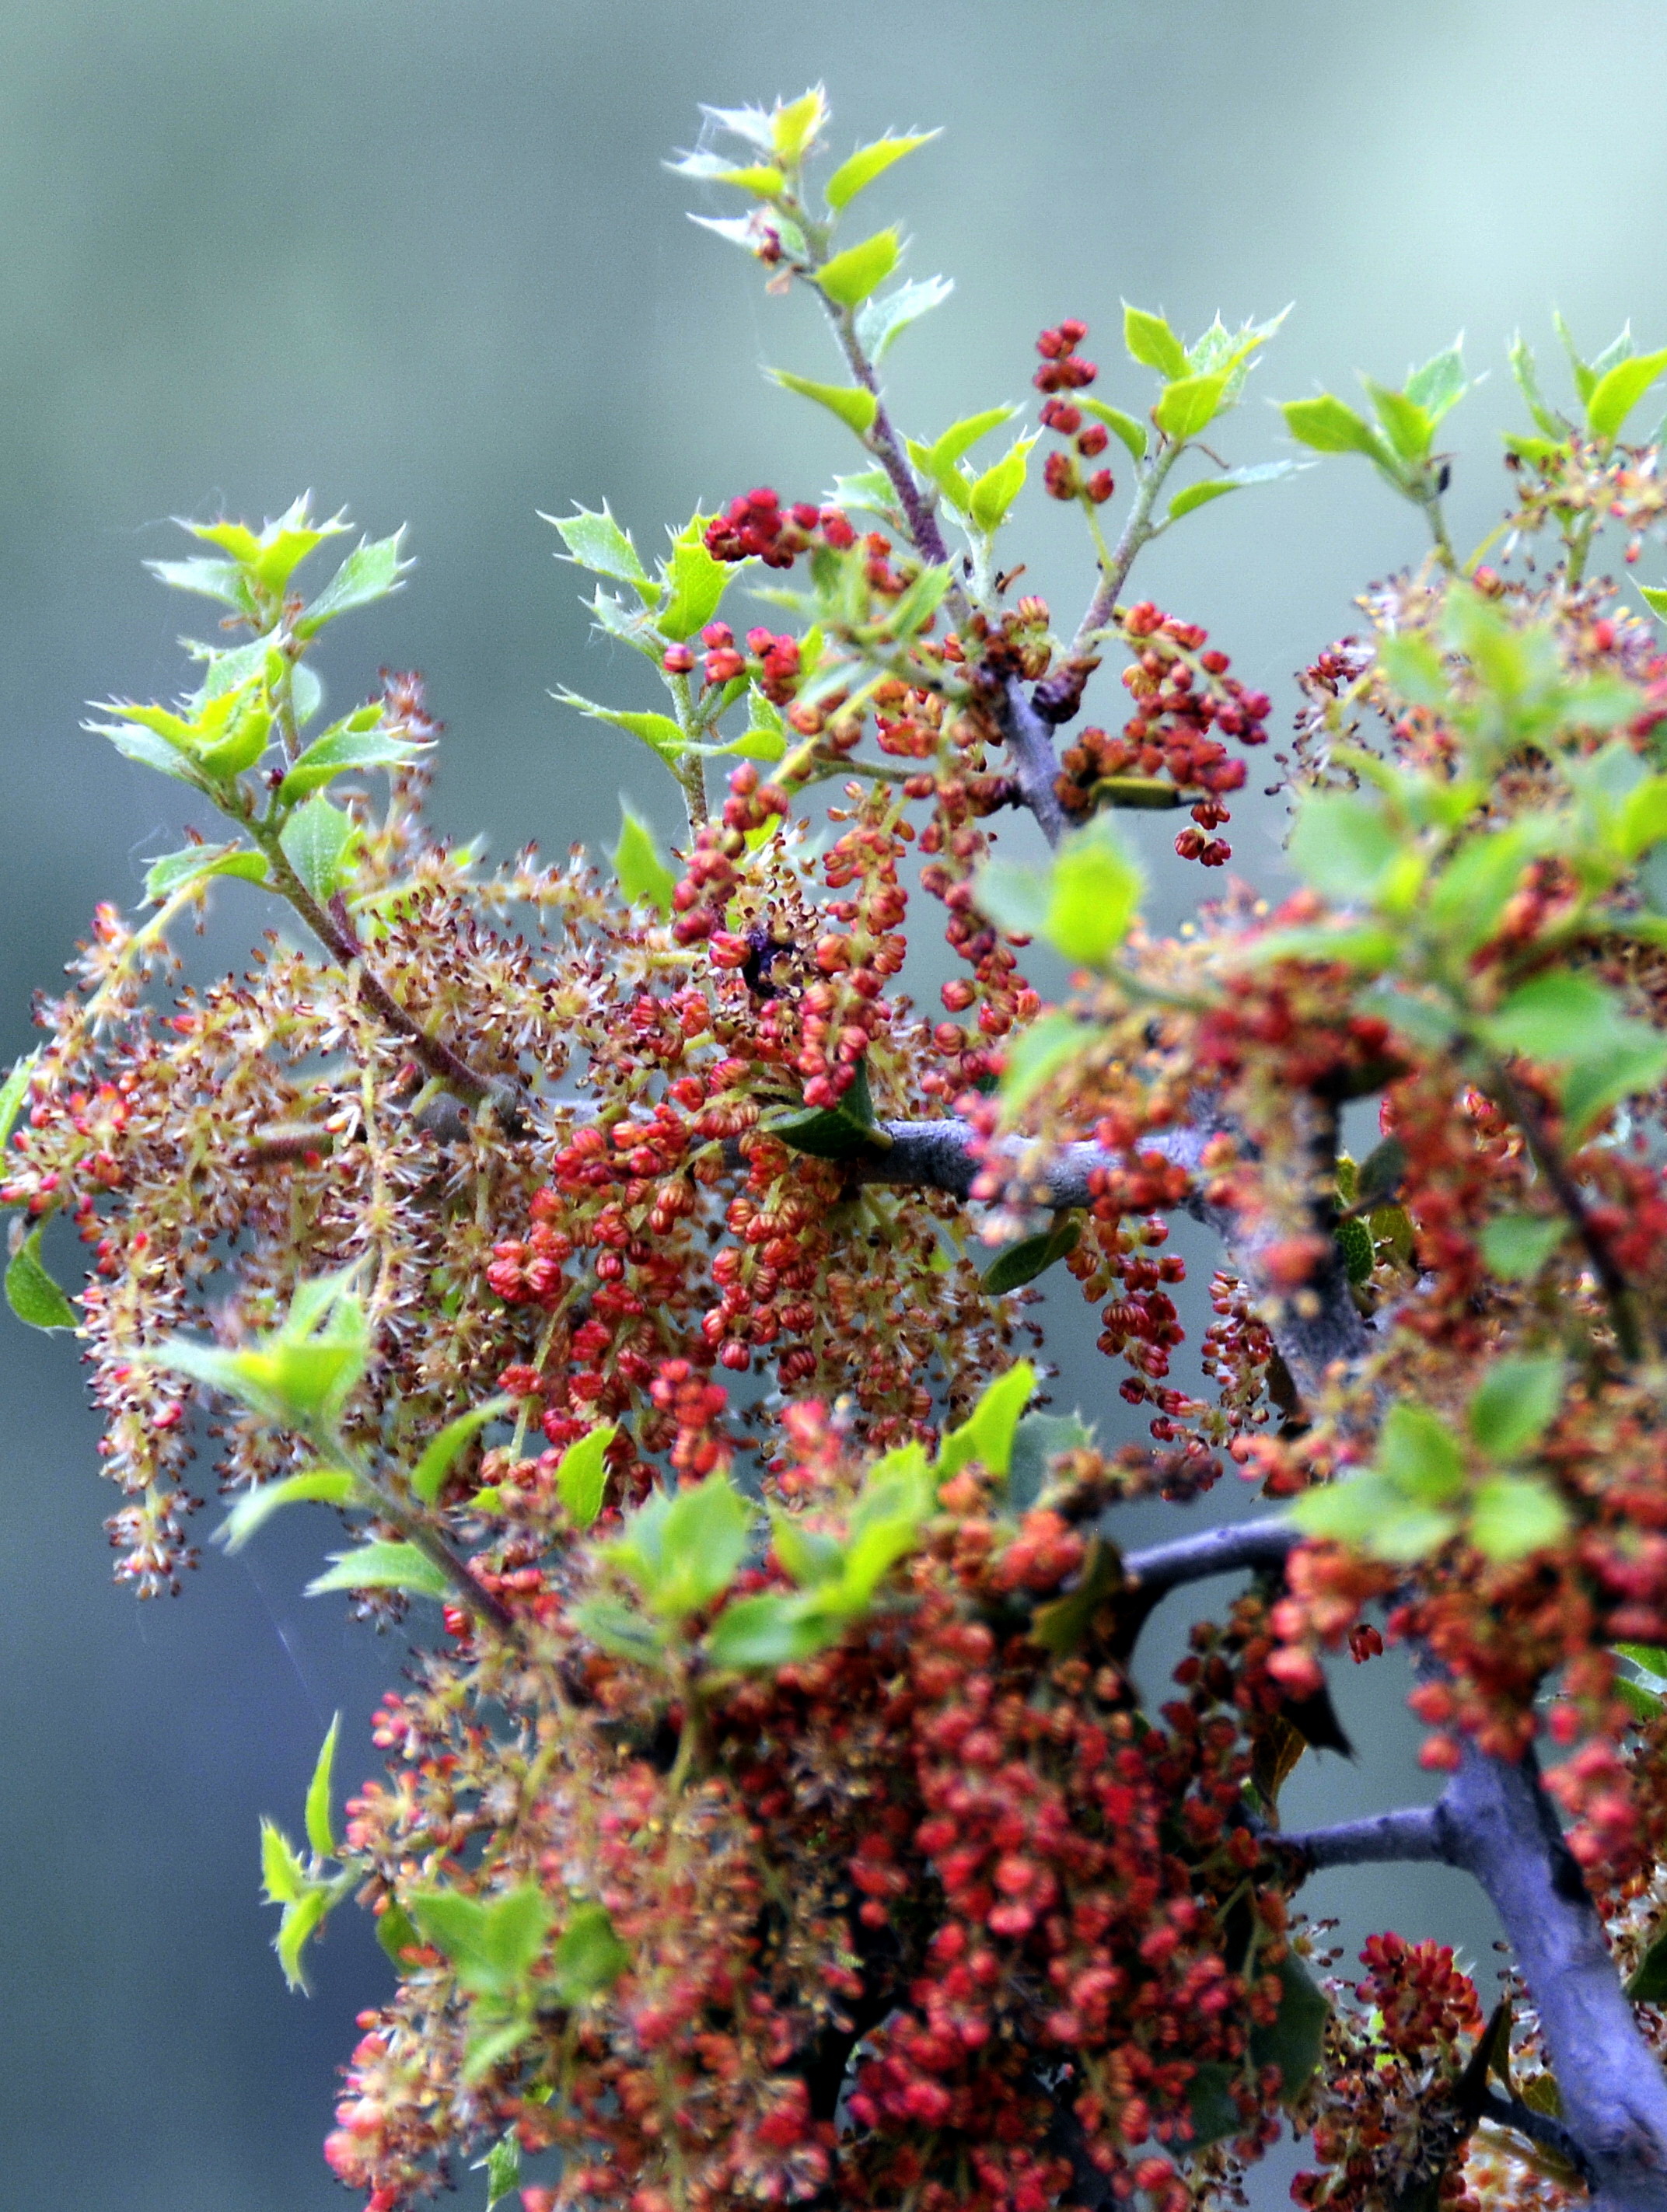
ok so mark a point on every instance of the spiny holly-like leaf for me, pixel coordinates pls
(858, 171)
(320, 1828)
(31, 1293)
(197, 864)
(581, 1473)
(856, 407)
(987, 1434)
(321, 1486)
(596, 542)
(831, 1132)
(643, 874)
(1292, 2042)
(318, 842)
(428, 1475)
(882, 321)
(382, 1566)
(373, 571)
(1151, 342)
(1019, 1263)
(850, 276)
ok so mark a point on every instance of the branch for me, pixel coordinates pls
(1215, 1552)
(1617, 1292)
(1315, 1325)
(1496, 1822)
(1414, 1833)
(884, 441)
(1030, 741)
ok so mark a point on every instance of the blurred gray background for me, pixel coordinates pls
(422, 258)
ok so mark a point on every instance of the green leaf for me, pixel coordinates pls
(1037, 1442)
(1019, 1263)
(694, 582)
(830, 1133)
(493, 1944)
(382, 1566)
(1466, 902)
(1211, 2114)
(881, 322)
(1190, 405)
(1062, 1625)
(343, 747)
(1632, 1067)
(372, 571)
(795, 124)
(1655, 597)
(397, 1933)
(1355, 1241)
(858, 171)
(850, 276)
(1421, 1455)
(1410, 430)
(1133, 434)
(320, 1831)
(621, 1630)
(174, 870)
(1293, 2041)
(1560, 1016)
(1200, 495)
(596, 542)
(31, 1293)
(771, 1630)
(1094, 891)
(281, 1872)
(1522, 368)
(322, 1486)
(1329, 427)
(809, 1555)
(1516, 1246)
(1343, 846)
(300, 1921)
(1648, 1984)
(706, 1532)
(657, 732)
(589, 1957)
(14, 1091)
(1619, 391)
(856, 407)
(682, 1549)
(988, 1433)
(1515, 1404)
(429, 1476)
(215, 580)
(1036, 1055)
(994, 492)
(318, 842)
(1151, 342)
(581, 1473)
(1514, 1515)
(1438, 386)
(503, 2169)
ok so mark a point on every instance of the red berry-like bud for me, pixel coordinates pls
(1094, 440)
(679, 660)
(1100, 487)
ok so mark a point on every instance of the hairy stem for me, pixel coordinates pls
(884, 443)
(1138, 530)
(418, 1530)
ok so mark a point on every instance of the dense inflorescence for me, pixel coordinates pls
(775, 1816)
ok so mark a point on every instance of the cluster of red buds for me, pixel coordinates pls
(756, 526)
(1063, 369)
(772, 661)
(1185, 702)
